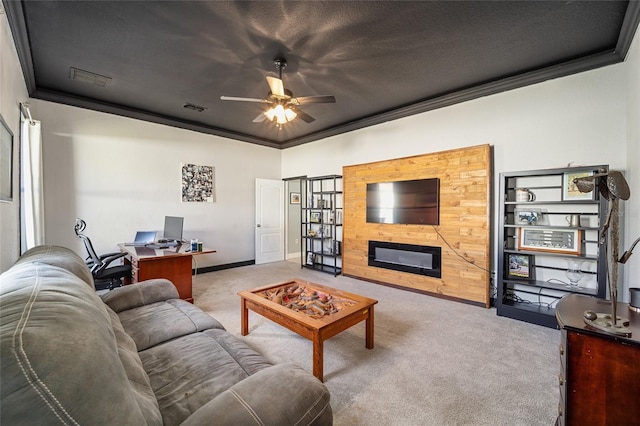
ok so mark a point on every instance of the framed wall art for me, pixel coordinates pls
(294, 198)
(198, 183)
(563, 241)
(6, 162)
(570, 190)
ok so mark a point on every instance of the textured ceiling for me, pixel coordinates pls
(381, 60)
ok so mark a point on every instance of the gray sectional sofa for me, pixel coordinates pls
(138, 355)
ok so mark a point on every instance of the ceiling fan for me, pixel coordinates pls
(283, 106)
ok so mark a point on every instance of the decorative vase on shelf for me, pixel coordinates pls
(574, 272)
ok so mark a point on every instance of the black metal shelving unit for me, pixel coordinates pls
(532, 297)
(321, 224)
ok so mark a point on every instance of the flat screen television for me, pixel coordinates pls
(414, 202)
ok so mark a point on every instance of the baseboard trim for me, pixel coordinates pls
(214, 268)
(415, 290)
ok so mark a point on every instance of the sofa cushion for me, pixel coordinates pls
(138, 379)
(142, 293)
(150, 325)
(188, 372)
(307, 401)
(60, 358)
(61, 257)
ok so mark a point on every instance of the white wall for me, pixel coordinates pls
(13, 91)
(581, 119)
(632, 222)
(122, 175)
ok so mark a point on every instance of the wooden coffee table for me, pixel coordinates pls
(356, 309)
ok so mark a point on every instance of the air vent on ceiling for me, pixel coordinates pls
(89, 77)
(194, 107)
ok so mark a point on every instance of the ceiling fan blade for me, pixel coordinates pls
(276, 86)
(236, 98)
(304, 116)
(260, 118)
(320, 99)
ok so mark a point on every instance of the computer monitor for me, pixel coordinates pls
(173, 228)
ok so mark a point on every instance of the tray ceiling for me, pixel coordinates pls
(382, 60)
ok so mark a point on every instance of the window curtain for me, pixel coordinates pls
(31, 186)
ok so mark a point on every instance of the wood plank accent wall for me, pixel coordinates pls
(463, 233)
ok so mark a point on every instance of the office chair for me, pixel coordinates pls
(105, 277)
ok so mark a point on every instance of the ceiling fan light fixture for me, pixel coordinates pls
(289, 114)
(281, 114)
(283, 104)
(270, 114)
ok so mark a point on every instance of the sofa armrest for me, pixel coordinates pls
(282, 394)
(142, 293)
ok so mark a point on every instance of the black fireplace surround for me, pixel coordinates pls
(415, 259)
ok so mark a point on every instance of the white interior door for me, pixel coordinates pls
(269, 220)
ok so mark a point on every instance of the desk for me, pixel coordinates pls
(173, 263)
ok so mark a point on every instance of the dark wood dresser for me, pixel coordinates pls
(599, 372)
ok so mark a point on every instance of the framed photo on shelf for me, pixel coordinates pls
(570, 190)
(311, 258)
(315, 217)
(565, 241)
(337, 248)
(294, 198)
(520, 267)
(528, 217)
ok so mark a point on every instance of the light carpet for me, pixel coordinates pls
(435, 361)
